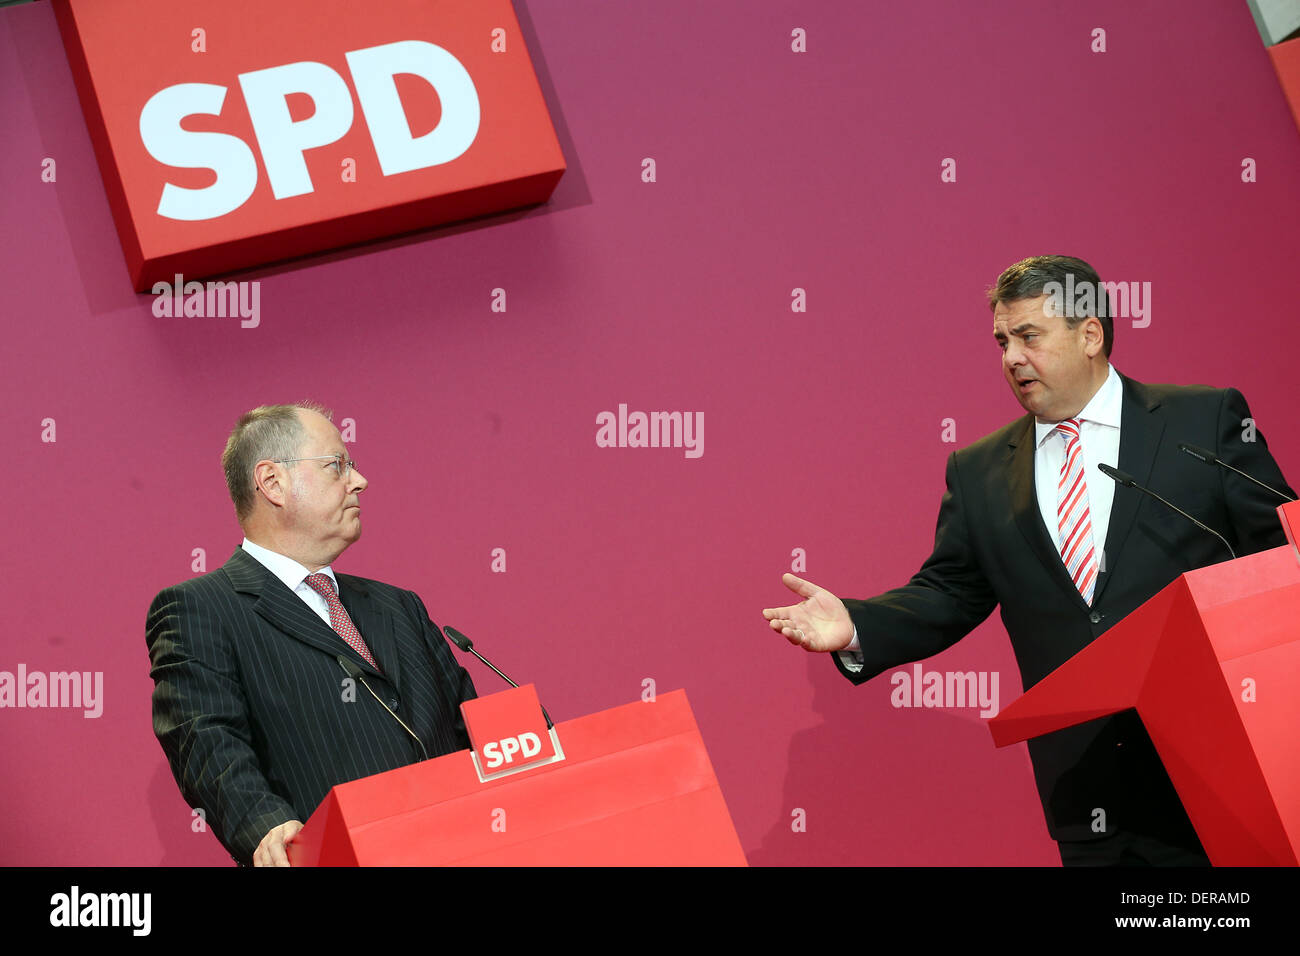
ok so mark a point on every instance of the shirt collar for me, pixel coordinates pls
(287, 570)
(1104, 409)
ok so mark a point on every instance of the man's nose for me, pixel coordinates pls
(358, 482)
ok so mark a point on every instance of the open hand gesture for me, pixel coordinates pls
(820, 622)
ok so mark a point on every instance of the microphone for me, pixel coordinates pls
(355, 672)
(1210, 458)
(1127, 480)
(465, 644)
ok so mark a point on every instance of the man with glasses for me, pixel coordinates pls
(275, 677)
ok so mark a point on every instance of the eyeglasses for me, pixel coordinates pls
(342, 466)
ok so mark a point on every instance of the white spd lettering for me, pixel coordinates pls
(282, 141)
(502, 751)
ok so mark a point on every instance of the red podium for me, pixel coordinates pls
(1212, 664)
(634, 787)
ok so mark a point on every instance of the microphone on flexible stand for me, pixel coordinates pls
(465, 644)
(1127, 480)
(355, 672)
(1210, 458)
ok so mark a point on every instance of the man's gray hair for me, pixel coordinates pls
(269, 431)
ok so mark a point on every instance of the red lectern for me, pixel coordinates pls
(1212, 664)
(635, 787)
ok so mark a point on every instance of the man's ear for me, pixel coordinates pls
(272, 482)
(1094, 337)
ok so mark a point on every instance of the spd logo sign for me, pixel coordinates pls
(235, 132)
(508, 732)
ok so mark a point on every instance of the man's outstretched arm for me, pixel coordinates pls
(942, 603)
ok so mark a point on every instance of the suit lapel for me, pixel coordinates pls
(1139, 438)
(1140, 432)
(373, 622)
(1029, 517)
(285, 611)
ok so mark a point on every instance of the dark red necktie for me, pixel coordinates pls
(339, 620)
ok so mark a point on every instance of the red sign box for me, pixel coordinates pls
(1289, 515)
(508, 730)
(231, 133)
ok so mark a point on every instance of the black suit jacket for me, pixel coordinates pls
(992, 549)
(250, 704)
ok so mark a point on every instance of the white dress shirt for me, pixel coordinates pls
(294, 576)
(1099, 432)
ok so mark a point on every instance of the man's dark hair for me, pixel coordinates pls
(1028, 277)
(270, 431)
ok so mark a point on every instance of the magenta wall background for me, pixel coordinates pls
(477, 429)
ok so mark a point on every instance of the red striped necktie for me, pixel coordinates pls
(1074, 520)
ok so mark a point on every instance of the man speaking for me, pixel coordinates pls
(1030, 524)
(275, 677)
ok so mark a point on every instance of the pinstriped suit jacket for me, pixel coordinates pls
(249, 701)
